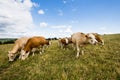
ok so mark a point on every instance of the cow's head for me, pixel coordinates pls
(48, 43)
(11, 56)
(24, 55)
(91, 38)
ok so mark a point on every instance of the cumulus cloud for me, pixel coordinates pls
(43, 24)
(15, 17)
(41, 11)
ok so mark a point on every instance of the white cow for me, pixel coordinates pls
(18, 45)
(79, 39)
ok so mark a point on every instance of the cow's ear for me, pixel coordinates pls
(86, 36)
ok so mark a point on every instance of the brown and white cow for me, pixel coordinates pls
(97, 37)
(18, 45)
(79, 39)
(63, 42)
(33, 42)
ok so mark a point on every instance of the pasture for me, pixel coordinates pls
(98, 63)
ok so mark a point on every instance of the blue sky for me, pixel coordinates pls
(58, 18)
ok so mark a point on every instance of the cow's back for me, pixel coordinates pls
(78, 37)
(22, 41)
(19, 43)
(35, 41)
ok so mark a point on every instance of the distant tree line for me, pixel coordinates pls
(7, 41)
(52, 38)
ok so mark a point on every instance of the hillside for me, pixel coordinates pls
(98, 63)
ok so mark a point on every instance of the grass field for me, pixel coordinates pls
(98, 63)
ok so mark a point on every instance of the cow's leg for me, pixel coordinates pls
(39, 49)
(58, 43)
(82, 50)
(102, 42)
(33, 51)
(43, 48)
(40, 52)
(46, 46)
(62, 45)
(20, 56)
(78, 50)
(33, 54)
(74, 46)
(66, 47)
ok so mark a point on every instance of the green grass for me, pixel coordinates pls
(98, 63)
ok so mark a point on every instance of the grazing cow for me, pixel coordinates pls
(34, 42)
(64, 41)
(79, 39)
(98, 38)
(18, 45)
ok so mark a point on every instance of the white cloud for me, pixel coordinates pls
(41, 11)
(43, 24)
(28, 3)
(15, 17)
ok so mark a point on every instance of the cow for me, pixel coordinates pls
(63, 42)
(18, 45)
(80, 39)
(33, 42)
(97, 37)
